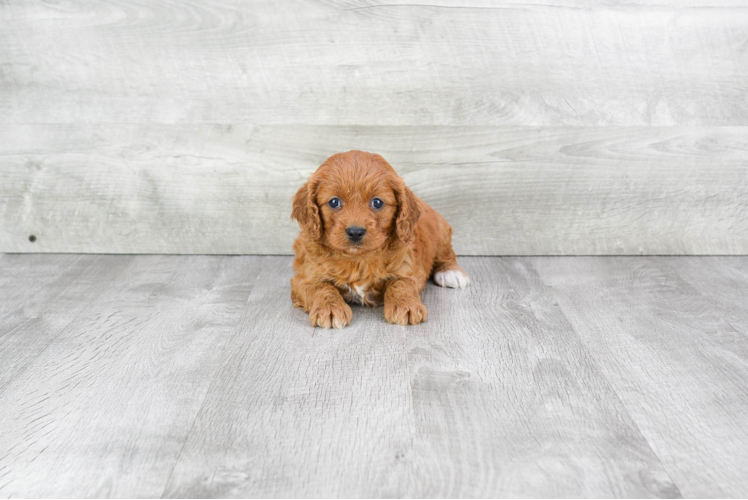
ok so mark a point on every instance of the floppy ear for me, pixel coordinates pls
(306, 211)
(408, 212)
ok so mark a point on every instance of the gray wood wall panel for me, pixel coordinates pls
(363, 62)
(557, 128)
(227, 189)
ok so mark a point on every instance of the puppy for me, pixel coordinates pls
(367, 239)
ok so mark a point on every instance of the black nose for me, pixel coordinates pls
(355, 233)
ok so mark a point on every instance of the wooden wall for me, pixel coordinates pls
(562, 127)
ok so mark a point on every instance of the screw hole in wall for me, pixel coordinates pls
(32, 238)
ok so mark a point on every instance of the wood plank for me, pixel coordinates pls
(298, 411)
(226, 189)
(547, 377)
(41, 296)
(678, 367)
(24, 278)
(453, 407)
(509, 403)
(723, 281)
(104, 410)
(367, 62)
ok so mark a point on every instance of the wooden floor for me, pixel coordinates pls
(192, 376)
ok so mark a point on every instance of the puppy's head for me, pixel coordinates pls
(354, 203)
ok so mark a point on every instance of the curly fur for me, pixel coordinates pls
(406, 242)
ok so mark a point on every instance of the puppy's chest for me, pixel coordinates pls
(361, 285)
(360, 281)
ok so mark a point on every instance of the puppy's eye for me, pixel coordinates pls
(334, 203)
(377, 204)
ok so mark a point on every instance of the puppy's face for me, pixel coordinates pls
(357, 207)
(354, 203)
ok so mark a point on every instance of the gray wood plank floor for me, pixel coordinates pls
(192, 376)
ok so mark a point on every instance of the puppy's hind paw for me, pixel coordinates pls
(452, 278)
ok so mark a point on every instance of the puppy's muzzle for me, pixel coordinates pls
(355, 233)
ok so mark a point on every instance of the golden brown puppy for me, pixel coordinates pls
(367, 239)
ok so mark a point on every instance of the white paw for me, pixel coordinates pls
(452, 279)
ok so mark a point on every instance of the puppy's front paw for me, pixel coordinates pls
(453, 278)
(331, 314)
(405, 312)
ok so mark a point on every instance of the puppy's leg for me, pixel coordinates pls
(323, 302)
(446, 271)
(402, 304)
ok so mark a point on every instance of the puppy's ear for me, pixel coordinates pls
(306, 211)
(408, 212)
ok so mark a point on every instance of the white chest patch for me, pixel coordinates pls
(361, 291)
(360, 294)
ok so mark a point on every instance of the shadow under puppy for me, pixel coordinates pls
(367, 239)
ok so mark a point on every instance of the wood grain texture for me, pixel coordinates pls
(224, 189)
(364, 62)
(722, 280)
(509, 403)
(435, 410)
(547, 377)
(43, 295)
(676, 357)
(302, 412)
(536, 128)
(104, 409)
